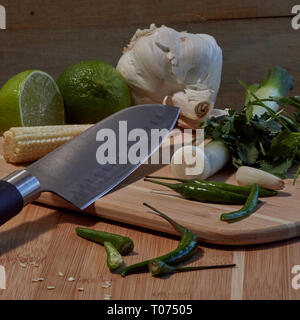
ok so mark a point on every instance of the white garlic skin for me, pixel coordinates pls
(247, 176)
(178, 68)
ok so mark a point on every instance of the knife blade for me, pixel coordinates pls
(79, 171)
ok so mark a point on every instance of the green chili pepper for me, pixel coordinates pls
(187, 247)
(158, 267)
(247, 209)
(205, 194)
(114, 258)
(224, 186)
(123, 244)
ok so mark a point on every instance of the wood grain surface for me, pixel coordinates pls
(51, 35)
(46, 236)
(277, 218)
(67, 14)
(54, 38)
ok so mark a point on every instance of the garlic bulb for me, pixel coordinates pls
(182, 69)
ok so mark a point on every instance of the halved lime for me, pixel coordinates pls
(30, 98)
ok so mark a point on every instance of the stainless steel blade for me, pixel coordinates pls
(72, 170)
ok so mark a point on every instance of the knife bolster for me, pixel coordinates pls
(26, 184)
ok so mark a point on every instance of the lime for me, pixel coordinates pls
(30, 98)
(92, 90)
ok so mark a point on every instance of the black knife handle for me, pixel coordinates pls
(11, 201)
(16, 191)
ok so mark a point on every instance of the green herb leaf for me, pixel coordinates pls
(268, 127)
(231, 112)
(278, 169)
(248, 153)
(253, 88)
(270, 141)
(236, 162)
(283, 145)
(297, 116)
(227, 128)
(249, 112)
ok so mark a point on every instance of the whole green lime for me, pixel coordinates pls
(30, 98)
(92, 90)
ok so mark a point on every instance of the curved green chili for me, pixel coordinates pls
(158, 267)
(263, 192)
(123, 244)
(114, 258)
(247, 209)
(187, 247)
(205, 194)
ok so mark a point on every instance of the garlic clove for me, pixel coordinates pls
(247, 176)
(194, 105)
(186, 123)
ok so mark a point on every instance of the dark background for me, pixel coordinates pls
(50, 35)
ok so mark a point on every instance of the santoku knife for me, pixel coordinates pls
(72, 170)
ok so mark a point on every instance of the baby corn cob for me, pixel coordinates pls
(26, 144)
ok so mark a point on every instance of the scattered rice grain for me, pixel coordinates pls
(50, 287)
(23, 265)
(80, 289)
(106, 284)
(107, 297)
(60, 274)
(71, 279)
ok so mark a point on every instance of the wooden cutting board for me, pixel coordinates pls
(277, 218)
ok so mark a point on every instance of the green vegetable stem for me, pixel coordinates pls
(186, 248)
(114, 258)
(123, 244)
(263, 192)
(158, 267)
(204, 193)
(247, 209)
(277, 84)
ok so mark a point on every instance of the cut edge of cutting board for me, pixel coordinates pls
(277, 219)
(278, 229)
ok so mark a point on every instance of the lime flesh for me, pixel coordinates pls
(30, 98)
